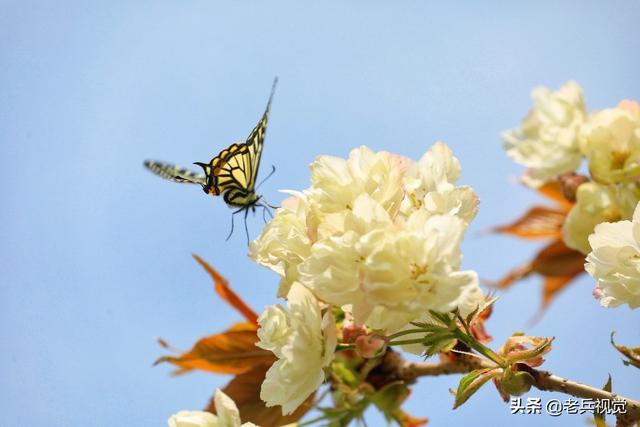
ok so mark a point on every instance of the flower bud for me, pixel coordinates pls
(569, 182)
(351, 331)
(516, 383)
(369, 346)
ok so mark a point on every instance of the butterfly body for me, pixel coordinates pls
(232, 173)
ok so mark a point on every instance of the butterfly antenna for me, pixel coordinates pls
(273, 170)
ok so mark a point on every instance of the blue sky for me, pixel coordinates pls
(96, 251)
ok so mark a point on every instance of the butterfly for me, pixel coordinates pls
(231, 174)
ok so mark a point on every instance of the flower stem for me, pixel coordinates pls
(343, 347)
(312, 421)
(479, 347)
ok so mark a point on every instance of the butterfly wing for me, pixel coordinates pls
(236, 168)
(175, 173)
(255, 140)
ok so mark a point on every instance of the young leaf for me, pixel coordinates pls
(632, 354)
(443, 345)
(556, 259)
(599, 416)
(515, 275)
(515, 349)
(556, 263)
(389, 398)
(231, 352)
(472, 382)
(244, 389)
(539, 222)
(477, 321)
(553, 191)
(224, 291)
(343, 374)
(515, 383)
(407, 420)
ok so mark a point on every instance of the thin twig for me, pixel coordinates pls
(545, 381)
(549, 382)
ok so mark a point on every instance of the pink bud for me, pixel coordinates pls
(597, 293)
(350, 331)
(369, 346)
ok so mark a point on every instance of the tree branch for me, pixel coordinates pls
(410, 371)
(548, 382)
(545, 381)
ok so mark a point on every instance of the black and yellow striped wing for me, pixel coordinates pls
(175, 173)
(232, 173)
(234, 170)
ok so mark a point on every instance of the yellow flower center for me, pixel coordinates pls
(618, 159)
(611, 214)
(417, 270)
(417, 204)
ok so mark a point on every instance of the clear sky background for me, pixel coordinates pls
(95, 251)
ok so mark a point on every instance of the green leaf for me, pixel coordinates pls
(516, 383)
(479, 309)
(443, 345)
(419, 324)
(599, 417)
(337, 417)
(436, 337)
(472, 382)
(443, 318)
(607, 386)
(633, 354)
(389, 398)
(543, 346)
(428, 327)
(344, 374)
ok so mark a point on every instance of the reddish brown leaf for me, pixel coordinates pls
(553, 285)
(550, 288)
(556, 259)
(407, 420)
(477, 325)
(224, 291)
(556, 263)
(526, 349)
(553, 191)
(513, 276)
(231, 352)
(539, 222)
(244, 389)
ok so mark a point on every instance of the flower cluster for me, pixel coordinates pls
(558, 133)
(304, 342)
(376, 235)
(547, 141)
(615, 262)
